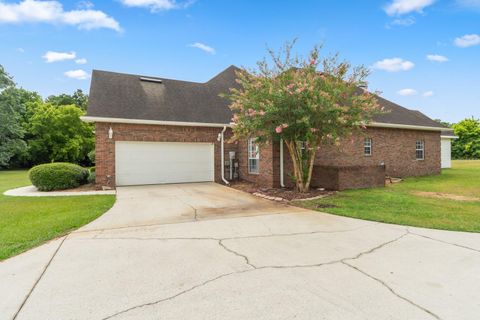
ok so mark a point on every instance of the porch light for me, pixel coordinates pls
(110, 133)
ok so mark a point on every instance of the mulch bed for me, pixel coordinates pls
(279, 194)
(83, 187)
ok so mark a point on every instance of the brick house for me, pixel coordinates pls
(151, 130)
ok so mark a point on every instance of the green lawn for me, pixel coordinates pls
(399, 204)
(26, 222)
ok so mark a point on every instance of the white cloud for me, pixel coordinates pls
(393, 65)
(54, 56)
(85, 4)
(467, 40)
(81, 61)
(427, 94)
(203, 47)
(403, 22)
(77, 74)
(157, 5)
(472, 4)
(437, 58)
(399, 7)
(21, 50)
(52, 12)
(407, 92)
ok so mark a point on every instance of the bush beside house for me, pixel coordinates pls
(58, 176)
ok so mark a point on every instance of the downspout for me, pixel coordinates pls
(281, 164)
(222, 156)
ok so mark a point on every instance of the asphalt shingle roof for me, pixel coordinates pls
(126, 96)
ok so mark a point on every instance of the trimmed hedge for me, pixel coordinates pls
(58, 176)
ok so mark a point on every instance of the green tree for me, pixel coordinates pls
(306, 102)
(467, 146)
(58, 134)
(11, 131)
(78, 98)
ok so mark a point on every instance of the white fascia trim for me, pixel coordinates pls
(405, 126)
(157, 122)
(449, 137)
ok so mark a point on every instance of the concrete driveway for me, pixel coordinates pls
(203, 251)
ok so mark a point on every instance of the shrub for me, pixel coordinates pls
(91, 156)
(91, 176)
(58, 176)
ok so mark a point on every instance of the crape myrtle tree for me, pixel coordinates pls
(307, 102)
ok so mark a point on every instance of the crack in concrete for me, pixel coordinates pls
(247, 261)
(443, 241)
(345, 262)
(175, 295)
(392, 290)
(232, 238)
(182, 222)
(189, 205)
(377, 247)
(254, 268)
(39, 278)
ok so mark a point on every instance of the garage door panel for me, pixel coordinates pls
(163, 162)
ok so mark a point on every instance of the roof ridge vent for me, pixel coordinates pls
(151, 79)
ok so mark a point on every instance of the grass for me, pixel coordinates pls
(26, 222)
(398, 203)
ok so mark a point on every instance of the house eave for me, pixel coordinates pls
(449, 137)
(154, 122)
(405, 126)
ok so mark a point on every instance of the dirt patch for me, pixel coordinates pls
(283, 193)
(448, 196)
(84, 187)
(325, 205)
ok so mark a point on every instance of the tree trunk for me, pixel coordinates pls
(302, 180)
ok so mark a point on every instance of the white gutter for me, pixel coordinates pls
(222, 156)
(281, 164)
(155, 122)
(405, 126)
(449, 137)
(221, 125)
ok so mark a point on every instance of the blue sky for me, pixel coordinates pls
(424, 54)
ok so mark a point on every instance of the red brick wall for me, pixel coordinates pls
(394, 147)
(105, 147)
(350, 177)
(266, 175)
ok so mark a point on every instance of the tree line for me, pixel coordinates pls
(35, 130)
(467, 146)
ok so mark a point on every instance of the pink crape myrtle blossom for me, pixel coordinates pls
(314, 100)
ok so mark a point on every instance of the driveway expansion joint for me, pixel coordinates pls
(255, 268)
(39, 278)
(175, 295)
(102, 231)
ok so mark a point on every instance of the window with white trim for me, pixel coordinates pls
(367, 147)
(253, 156)
(420, 150)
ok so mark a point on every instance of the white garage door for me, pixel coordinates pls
(446, 153)
(138, 163)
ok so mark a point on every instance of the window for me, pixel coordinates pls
(253, 156)
(420, 150)
(367, 147)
